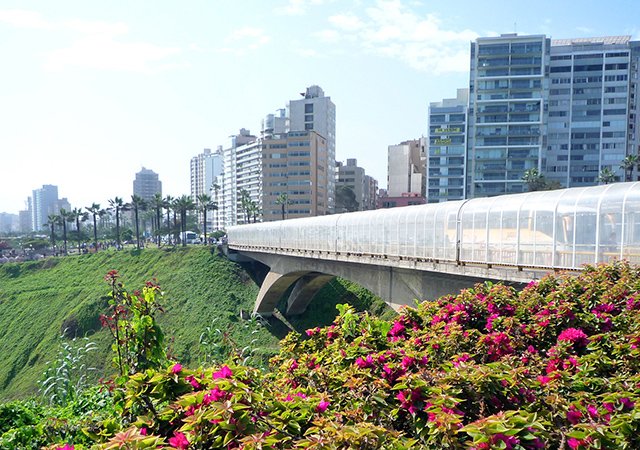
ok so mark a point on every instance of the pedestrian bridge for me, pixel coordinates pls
(424, 251)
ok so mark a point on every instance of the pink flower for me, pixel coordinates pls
(593, 411)
(179, 441)
(574, 443)
(192, 381)
(362, 363)
(573, 415)
(313, 331)
(176, 368)
(397, 331)
(626, 403)
(224, 372)
(214, 395)
(143, 431)
(65, 447)
(322, 406)
(509, 441)
(544, 379)
(574, 335)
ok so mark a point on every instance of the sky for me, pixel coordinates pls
(92, 91)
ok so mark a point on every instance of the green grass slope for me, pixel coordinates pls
(204, 293)
(39, 300)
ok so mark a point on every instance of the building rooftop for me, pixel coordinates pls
(607, 40)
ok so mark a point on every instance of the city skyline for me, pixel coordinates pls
(94, 92)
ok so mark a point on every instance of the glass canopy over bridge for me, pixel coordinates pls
(561, 229)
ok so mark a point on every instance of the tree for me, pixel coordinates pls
(216, 201)
(168, 203)
(283, 201)
(64, 218)
(137, 204)
(628, 164)
(249, 207)
(184, 204)
(96, 212)
(534, 180)
(607, 176)
(78, 216)
(346, 199)
(117, 205)
(157, 203)
(204, 204)
(52, 221)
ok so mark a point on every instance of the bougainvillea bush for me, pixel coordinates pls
(555, 365)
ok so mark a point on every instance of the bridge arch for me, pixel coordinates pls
(304, 277)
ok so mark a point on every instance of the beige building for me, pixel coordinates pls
(294, 164)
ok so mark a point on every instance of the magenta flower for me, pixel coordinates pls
(179, 441)
(143, 431)
(224, 372)
(192, 381)
(214, 395)
(176, 368)
(364, 363)
(574, 443)
(322, 406)
(626, 403)
(509, 441)
(573, 415)
(65, 447)
(574, 335)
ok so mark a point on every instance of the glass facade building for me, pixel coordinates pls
(447, 146)
(507, 102)
(590, 124)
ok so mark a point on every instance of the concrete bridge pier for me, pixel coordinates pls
(304, 277)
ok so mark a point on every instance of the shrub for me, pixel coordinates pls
(553, 366)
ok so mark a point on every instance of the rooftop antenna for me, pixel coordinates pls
(515, 27)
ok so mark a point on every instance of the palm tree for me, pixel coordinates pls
(215, 187)
(65, 216)
(77, 215)
(52, 221)
(95, 211)
(283, 201)
(204, 204)
(117, 204)
(245, 204)
(157, 203)
(534, 180)
(168, 201)
(183, 205)
(137, 204)
(607, 176)
(628, 164)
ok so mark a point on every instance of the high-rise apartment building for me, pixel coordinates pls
(294, 155)
(242, 173)
(364, 187)
(592, 108)
(42, 203)
(370, 197)
(316, 112)
(206, 178)
(565, 107)
(147, 184)
(294, 172)
(508, 90)
(407, 168)
(447, 148)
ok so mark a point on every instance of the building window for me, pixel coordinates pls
(308, 126)
(308, 108)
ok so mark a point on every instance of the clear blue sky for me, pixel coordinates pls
(92, 91)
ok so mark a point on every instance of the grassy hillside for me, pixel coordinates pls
(204, 293)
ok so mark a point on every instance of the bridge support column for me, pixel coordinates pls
(304, 291)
